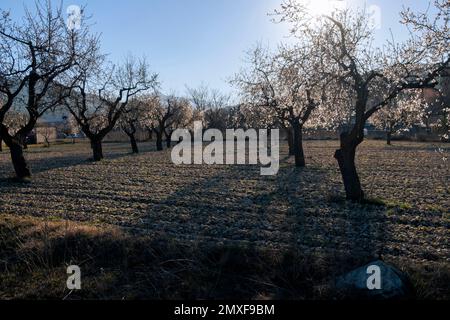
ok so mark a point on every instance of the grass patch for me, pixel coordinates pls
(115, 265)
(390, 212)
(390, 204)
(375, 202)
(437, 208)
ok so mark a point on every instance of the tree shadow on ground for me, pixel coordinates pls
(230, 233)
(329, 236)
(280, 236)
(39, 162)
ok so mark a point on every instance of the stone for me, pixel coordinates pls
(375, 280)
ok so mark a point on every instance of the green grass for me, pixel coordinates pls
(390, 204)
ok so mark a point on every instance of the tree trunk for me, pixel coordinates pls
(159, 141)
(150, 134)
(97, 150)
(290, 139)
(298, 145)
(18, 160)
(389, 137)
(1, 144)
(168, 140)
(134, 146)
(346, 160)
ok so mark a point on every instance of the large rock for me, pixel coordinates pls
(362, 283)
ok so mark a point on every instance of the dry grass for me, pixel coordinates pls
(142, 227)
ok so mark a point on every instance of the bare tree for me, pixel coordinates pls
(200, 97)
(102, 94)
(46, 131)
(159, 120)
(130, 121)
(181, 119)
(217, 118)
(208, 104)
(34, 55)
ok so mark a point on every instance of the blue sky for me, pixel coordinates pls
(189, 42)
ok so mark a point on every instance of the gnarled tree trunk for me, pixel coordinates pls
(346, 160)
(290, 139)
(159, 140)
(389, 137)
(18, 160)
(298, 145)
(168, 139)
(16, 146)
(134, 146)
(150, 134)
(97, 150)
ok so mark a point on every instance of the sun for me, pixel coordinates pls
(322, 7)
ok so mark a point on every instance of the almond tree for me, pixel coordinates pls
(208, 105)
(15, 120)
(437, 115)
(444, 124)
(237, 119)
(182, 116)
(200, 99)
(130, 122)
(160, 118)
(102, 93)
(400, 114)
(216, 115)
(367, 79)
(289, 84)
(148, 104)
(34, 55)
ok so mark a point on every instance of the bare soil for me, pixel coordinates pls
(298, 218)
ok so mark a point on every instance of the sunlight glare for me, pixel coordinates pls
(322, 7)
